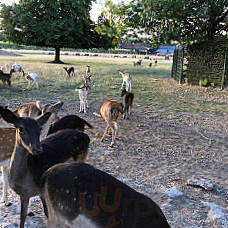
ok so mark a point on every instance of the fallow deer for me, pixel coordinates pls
(69, 122)
(7, 139)
(128, 98)
(18, 70)
(84, 92)
(110, 111)
(30, 158)
(78, 194)
(69, 71)
(126, 79)
(32, 79)
(6, 78)
(88, 70)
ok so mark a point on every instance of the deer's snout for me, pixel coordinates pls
(37, 149)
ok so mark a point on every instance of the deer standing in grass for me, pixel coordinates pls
(110, 111)
(30, 158)
(6, 77)
(18, 70)
(126, 79)
(69, 71)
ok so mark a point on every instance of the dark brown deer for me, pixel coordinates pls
(69, 122)
(128, 98)
(88, 70)
(6, 78)
(30, 158)
(7, 135)
(70, 71)
(78, 191)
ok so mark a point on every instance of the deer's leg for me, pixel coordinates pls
(24, 208)
(130, 106)
(37, 85)
(44, 206)
(122, 85)
(130, 86)
(33, 82)
(105, 132)
(9, 83)
(84, 106)
(128, 112)
(127, 86)
(80, 110)
(5, 171)
(87, 103)
(114, 132)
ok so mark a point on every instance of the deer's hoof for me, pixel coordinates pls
(112, 144)
(7, 204)
(31, 214)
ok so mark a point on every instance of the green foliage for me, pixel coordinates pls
(54, 23)
(178, 20)
(111, 22)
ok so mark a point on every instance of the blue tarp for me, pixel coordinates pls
(168, 49)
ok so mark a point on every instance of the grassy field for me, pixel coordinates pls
(152, 86)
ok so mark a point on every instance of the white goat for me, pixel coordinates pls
(18, 70)
(126, 79)
(32, 78)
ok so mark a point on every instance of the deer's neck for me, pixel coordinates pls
(18, 161)
(19, 176)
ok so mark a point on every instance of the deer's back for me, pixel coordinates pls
(88, 187)
(110, 110)
(29, 109)
(59, 147)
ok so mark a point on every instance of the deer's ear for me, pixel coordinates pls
(44, 118)
(57, 106)
(8, 115)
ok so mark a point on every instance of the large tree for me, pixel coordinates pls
(111, 21)
(51, 23)
(184, 21)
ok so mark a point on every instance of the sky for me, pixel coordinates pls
(95, 12)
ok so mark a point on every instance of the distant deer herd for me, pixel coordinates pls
(45, 155)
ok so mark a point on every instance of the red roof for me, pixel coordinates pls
(136, 46)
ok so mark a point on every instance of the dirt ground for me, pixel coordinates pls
(154, 154)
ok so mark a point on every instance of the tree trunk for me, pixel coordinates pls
(57, 56)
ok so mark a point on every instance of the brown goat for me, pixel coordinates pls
(110, 111)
